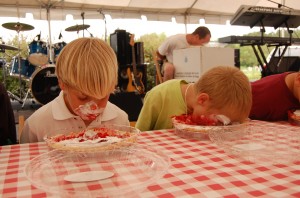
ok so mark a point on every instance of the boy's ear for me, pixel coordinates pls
(202, 98)
(61, 84)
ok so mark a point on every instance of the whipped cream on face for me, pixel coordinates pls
(89, 139)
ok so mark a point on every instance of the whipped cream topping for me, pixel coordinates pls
(88, 142)
(90, 138)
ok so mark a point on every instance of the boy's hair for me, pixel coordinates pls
(89, 65)
(227, 87)
(202, 31)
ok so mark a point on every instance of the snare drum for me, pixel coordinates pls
(26, 68)
(57, 48)
(44, 84)
(38, 53)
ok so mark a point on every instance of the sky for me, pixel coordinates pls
(97, 28)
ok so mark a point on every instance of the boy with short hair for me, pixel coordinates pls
(221, 90)
(87, 73)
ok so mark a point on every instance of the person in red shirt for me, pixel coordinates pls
(273, 96)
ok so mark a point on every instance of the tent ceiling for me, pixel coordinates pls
(189, 11)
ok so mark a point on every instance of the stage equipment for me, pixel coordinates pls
(139, 52)
(77, 28)
(38, 55)
(4, 47)
(57, 49)
(44, 84)
(257, 40)
(265, 17)
(26, 68)
(135, 77)
(119, 41)
(237, 61)
(18, 27)
(284, 64)
(125, 77)
(130, 102)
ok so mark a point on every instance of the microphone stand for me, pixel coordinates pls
(105, 28)
(82, 16)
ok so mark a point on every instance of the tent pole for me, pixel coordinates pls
(185, 23)
(49, 27)
(105, 25)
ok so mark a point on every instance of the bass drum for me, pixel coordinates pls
(44, 84)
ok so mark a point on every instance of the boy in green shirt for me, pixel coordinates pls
(221, 90)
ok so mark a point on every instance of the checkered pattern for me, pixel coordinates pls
(198, 169)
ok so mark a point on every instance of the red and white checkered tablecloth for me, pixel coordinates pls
(198, 169)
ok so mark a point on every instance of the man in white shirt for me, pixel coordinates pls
(164, 53)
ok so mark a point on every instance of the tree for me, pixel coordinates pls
(151, 43)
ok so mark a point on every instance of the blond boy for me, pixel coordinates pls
(87, 73)
(221, 90)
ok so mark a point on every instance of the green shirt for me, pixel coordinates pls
(160, 104)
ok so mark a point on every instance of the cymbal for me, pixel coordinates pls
(7, 47)
(77, 28)
(17, 26)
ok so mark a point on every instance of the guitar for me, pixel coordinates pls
(134, 77)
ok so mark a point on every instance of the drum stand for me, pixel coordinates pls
(25, 98)
(11, 95)
(18, 27)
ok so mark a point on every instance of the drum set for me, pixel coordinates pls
(37, 70)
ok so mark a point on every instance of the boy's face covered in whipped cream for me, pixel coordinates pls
(88, 108)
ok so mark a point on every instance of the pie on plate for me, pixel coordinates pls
(106, 137)
(198, 129)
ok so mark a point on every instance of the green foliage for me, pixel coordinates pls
(151, 43)
(12, 82)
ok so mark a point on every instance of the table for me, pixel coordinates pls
(198, 169)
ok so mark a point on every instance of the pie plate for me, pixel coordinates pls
(202, 132)
(266, 143)
(126, 171)
(116, 137)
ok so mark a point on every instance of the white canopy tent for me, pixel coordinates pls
(184, 11)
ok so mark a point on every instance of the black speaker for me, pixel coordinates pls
(237, 62)
(130, 102)
(139, 52)
(119, 42)
(289, 63)
(124, 78)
